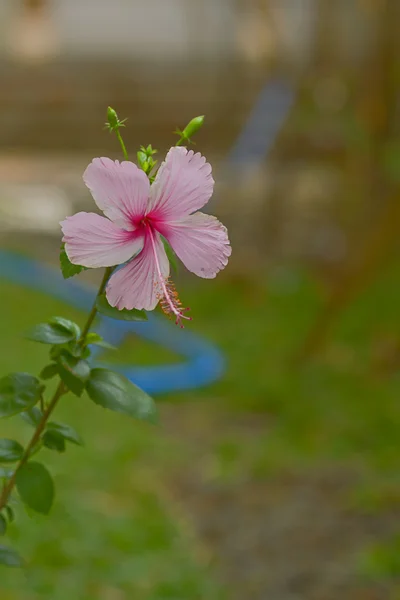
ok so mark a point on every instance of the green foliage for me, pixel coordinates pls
(32, 416)
(54, 441)
(96, 340)
(74, 372)
(65, 431)
(145, 158)
(5, 473)
(49, 371)
(67, 268)
(3, 525)
(56, 331)
(35, 487)
(10, 558)
(105, 309)
(10, 450)
(113, 391)
(382, 560)
(10, 513)
(18, 392)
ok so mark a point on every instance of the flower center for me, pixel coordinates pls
(168, 297)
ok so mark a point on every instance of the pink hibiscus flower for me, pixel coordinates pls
(137, 214)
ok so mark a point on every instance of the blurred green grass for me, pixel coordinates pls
(114, 531)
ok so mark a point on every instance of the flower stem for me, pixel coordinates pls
(35, 438)
(121, 141)
(93, 312)
(60, 391)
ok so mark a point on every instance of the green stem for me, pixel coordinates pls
(34, 440)
(60, 391)
(121, 141)
(93, 312)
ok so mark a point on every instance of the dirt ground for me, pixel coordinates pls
(287, 536)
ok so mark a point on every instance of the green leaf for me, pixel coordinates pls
(10, 450)
(173, 261)
(67, 325)
(10, 513)
(115, 392)
(97, 340)
(74, 372)
(10, 558)
(105, 309)
(67, 432)
(35, 487)
(18, 392)
(54, 441)
(51, 333)
(67, 268)
(49, 371)
(76, 349)
(5, 473)
(32, 416)
(3, 525)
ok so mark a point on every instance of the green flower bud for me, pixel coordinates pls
(142, 157)
(112, 118)
(193, 127)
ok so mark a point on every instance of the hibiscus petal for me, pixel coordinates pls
(137, 284)
(201, 242)
(93, 241)
(183, 184)
(120, 190)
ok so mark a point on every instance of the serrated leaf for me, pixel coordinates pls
(32, 416)
(3, 525)
(18, 392)
(10, 450)
(74, 372)
(67, 432)
(10, 558)
(113, 391)
(105, 309)
(54, 441)
(35, 487)
(68, 269)
(173, 261)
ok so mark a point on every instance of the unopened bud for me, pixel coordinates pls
(193, 127)
(112, 118)
(142, 158)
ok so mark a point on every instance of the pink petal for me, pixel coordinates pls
(120, 190)
(137, 285)
(183, 184)
(201, 242)
(93, 241)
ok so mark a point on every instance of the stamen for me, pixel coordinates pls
(167, 294)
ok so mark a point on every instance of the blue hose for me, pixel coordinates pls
(204, 362)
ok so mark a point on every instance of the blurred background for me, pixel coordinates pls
(282, 480)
